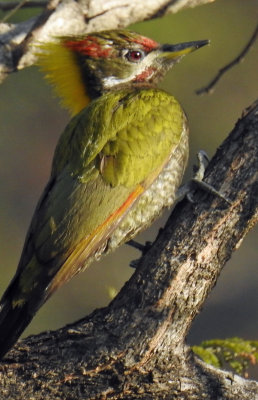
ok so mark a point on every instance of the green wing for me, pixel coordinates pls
(123, 135)
(106, 157)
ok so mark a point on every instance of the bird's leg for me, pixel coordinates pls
(187, 189)
(136, 245)
(141, 247)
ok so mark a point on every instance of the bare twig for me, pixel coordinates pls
(14, 6)
(210, 87)
(14, 10)
(28, 4)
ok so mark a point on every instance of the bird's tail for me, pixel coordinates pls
(14, 318)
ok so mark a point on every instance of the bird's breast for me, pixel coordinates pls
(159, 195)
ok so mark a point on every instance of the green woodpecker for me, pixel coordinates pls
(117, 165)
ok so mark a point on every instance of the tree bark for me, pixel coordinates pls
(70, 17)
(136, 347)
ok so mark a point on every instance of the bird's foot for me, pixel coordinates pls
(141, 247)
(188, 189)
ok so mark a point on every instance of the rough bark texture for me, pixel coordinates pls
(66, 17)
(135, 348)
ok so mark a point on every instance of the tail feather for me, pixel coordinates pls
(13, 319)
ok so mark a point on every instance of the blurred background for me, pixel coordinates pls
(31, 122)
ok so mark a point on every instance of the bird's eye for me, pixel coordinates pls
(134, 55)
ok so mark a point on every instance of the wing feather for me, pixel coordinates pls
(105, 159)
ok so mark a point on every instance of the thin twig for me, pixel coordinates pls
(12, 4)
(16, 5)
(14, 10)
(209, 88)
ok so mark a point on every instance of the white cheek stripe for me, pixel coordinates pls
(111, 81)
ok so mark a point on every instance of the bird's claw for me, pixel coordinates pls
(203, 161)
(141, 247)
(188, 190)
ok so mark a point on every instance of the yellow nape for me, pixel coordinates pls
(61, 69)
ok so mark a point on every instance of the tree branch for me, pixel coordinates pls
(135, 348)
(210, 87)
(10, 5)
(67, 17)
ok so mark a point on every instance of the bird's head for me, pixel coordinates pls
(84, 67)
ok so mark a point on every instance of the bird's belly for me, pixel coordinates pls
(160, 194)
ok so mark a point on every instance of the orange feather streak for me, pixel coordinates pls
(89, 245)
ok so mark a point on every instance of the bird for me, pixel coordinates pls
(116, 166)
